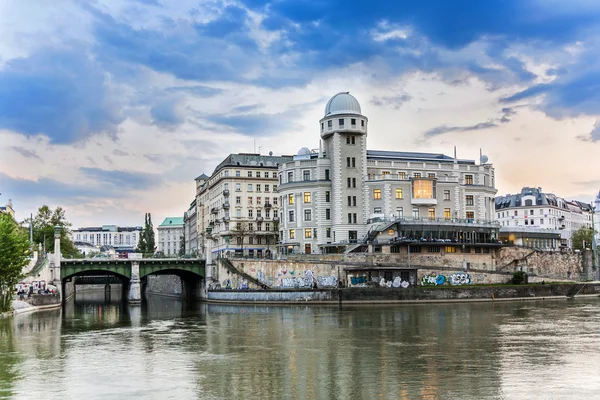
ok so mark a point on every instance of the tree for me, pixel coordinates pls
(146, 242)
(583, 234)
(43, 231)
(241, 231)
(13, 257)
(182, 245)
(274, 235)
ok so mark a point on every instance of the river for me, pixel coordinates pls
(168, 349)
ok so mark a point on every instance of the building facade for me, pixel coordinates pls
(191, 230)
(343, 195)
(120, 238)
(238, 206)
(170, 236)
(533, 209)
(8, 209)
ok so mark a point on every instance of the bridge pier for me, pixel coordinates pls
(135, 290)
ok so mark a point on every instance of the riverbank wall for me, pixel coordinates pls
(408, 295)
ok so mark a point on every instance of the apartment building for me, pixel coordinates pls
(170, 235)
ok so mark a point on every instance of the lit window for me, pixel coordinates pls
(376, 194)
(468, 179)
(417, 175)
(431, 176)
(423, 189)
(450, 249)
(447, 213)
(292, 234)
(399, 194)
(470, 215)
(307, 233)
(307, 197)
(291, 199)
(401, 175)
(431, 213)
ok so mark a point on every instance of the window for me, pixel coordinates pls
(267, 213)
(447, 214)
(291, 199)
(401, 175)
(347, 139)
(353, 121)
(341, 122)
(399, 212)
(291, 216)
(292, 232)
(249, 201)
(266, 188)
(250, 215)
(431, 213)
(528, 202)
(349, 182)
(274, 188)
(417, 175)
(353, 162)
(415, 211)
(349, 218)
(353, 182)
(431, 176)
(450, 249)
(327, 197)
(251, 227)
(329, 124)
(446, 195)
(328, 232)
(362, 123)
(470, 214)
(306, 175)
(307, 215)
(399, 194)
(238, 173)
(307, 233)
(423, 189)
(376, 194)
(541, 222)
(469, 200)
(249, 174)
(516, 213)
(468, 179)
(349, 201)
(322, 125)
(377, 210)
(434, 249)
(541, 211)
(258, 174)
(258, 187)
(307, 197)
(238, 187)
(267, 226)
(384, 173)
(250, 187)
(354, 217)
(353, 201)
(290, 177)
(328, 213)
(530, 212)
(238, 199)
(326, 174)
(274, 201)
(238, 213)
(259, 213)
(348, 162)
(259, 227)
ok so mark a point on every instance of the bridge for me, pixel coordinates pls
(132, 273)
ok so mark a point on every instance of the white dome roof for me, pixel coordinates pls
(304, 151)
(342, 103)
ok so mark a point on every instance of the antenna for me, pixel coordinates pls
(254, 146)
(454, 153)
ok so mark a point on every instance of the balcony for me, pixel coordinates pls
(211, 223)
(275, 218)
(214, 210)
(226, 205)
(268, 205)
(225, 218)
(259, 219)
(423, 202)
(226, 192)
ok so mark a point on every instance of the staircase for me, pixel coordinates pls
(352, 247)
(576, 289)
(232, 268)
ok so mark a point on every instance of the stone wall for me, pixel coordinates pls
(44, 299)
(166, 285)
(559, 265)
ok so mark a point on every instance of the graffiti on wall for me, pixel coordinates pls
(460, 278)
(397, 282)
(358, 280)
(433, 280)
(327, 281)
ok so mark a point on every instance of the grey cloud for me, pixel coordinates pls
(27, 153)
(395, 101)
(119, 152)
(446, 129)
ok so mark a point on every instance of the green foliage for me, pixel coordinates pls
(14, 255)
(182, 245)
(146, 242)
(43, 231)
(519, 278)
(583, 234)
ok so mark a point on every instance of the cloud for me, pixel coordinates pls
(49, 188)
(446, 129)
(122, 180)
(594, 135)
(26, 153)
(58, 92)
(257, 124)
(394, 101)
(118, 152)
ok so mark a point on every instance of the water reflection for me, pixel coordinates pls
(98, 347)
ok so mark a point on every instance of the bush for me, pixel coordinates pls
(519, 277)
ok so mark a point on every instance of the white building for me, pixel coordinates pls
(237, 206)
(536, 210)
(343, 194)
(170, 235)
(190, 221)
(8, 209)
(121, 238)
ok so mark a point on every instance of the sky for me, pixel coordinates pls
(111, 108)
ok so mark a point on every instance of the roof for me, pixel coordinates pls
(172, 221)
(342, 103)
(540, 199)
(107, 228)
(201, 177)
(413, 156)
(252, 160)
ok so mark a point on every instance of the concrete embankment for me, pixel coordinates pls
(408, 295)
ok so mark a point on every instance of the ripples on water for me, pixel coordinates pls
(167, 349)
